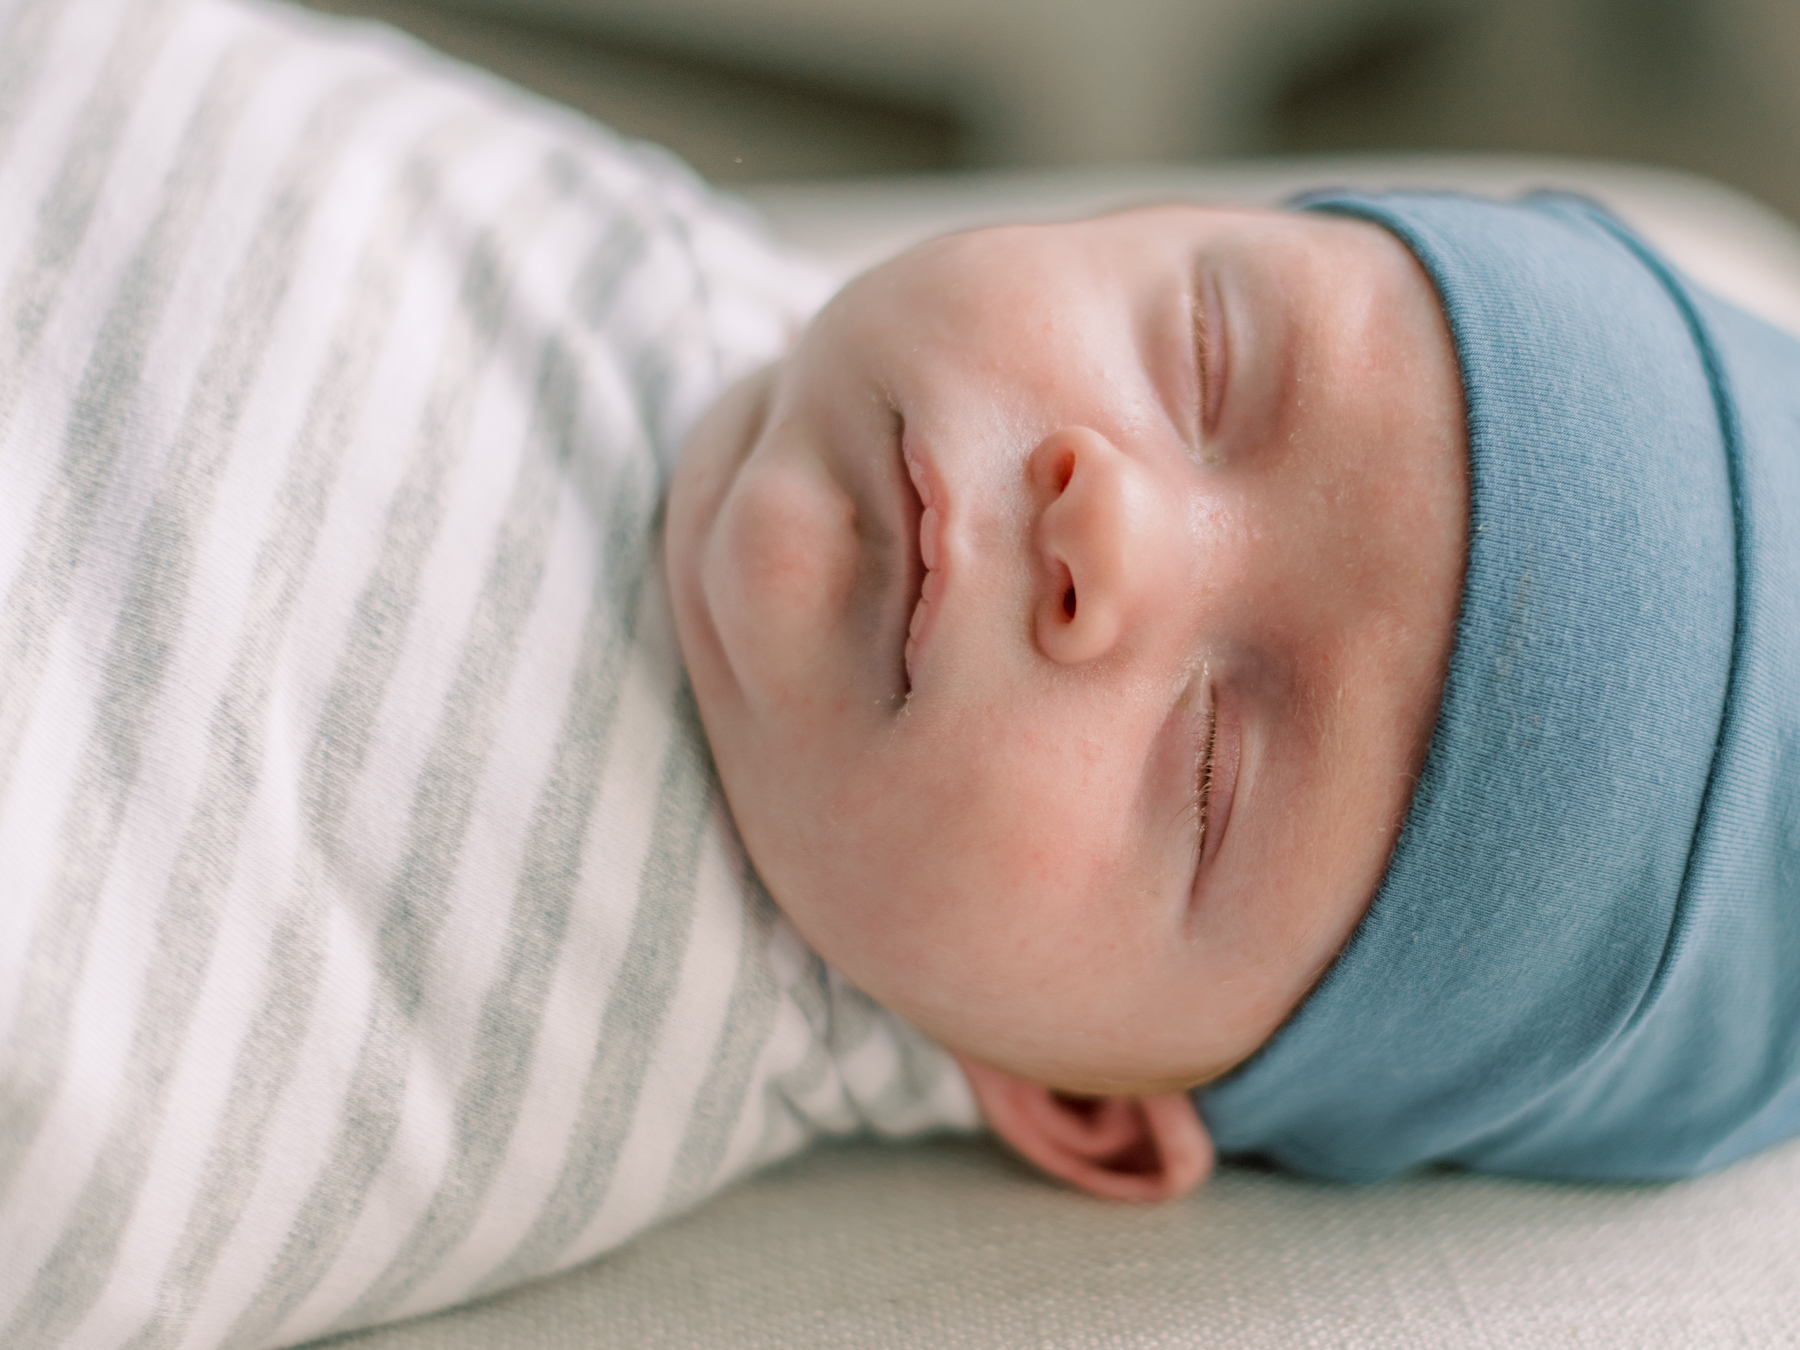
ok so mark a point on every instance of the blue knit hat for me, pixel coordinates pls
(1584, 959)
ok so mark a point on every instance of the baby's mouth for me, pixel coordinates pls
(924, 550)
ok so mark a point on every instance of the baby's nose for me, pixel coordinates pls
(1098, 527)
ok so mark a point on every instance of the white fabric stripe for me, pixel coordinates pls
(769, 1128)
(197, 1095)
(675, 1070)
(671, 391)
(151, 419)
(195, 293)
(617, 840)
(438, 448)
(28, 818)
(112, 418)
(495, 1106)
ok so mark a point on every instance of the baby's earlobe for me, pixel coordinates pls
(1118, 1147)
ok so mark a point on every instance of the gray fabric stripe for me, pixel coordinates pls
(852, 1021)
(636, 1007)
(494, 1085)
(97, 429)
(783, 1092)
(749, 1021)
(139, 647)
(66, 212)
(596, 290)
(412, 911)
(238, 739)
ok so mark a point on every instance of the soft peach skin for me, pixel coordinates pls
(1068, 613)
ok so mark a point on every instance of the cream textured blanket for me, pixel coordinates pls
(373, 936)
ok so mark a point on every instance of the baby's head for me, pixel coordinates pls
(1068, 613)
(1191, 642)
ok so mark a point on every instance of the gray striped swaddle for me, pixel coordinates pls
(371, 934)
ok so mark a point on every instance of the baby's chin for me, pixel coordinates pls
(1013, 1040)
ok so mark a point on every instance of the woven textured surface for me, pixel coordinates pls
(953, 1245)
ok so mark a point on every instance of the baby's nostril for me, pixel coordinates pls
(1069, 602)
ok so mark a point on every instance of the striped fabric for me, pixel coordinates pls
(371, 933)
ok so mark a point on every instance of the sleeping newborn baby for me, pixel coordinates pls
(1071, 612)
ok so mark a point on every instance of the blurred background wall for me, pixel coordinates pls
(760, 90)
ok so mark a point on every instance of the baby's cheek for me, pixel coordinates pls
(776, 573)
(787, 543)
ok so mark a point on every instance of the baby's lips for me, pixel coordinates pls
(931, 553)
(923, 613)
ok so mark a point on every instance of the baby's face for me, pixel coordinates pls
(1068, 613)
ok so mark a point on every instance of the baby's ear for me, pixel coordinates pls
(1121, 1148)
